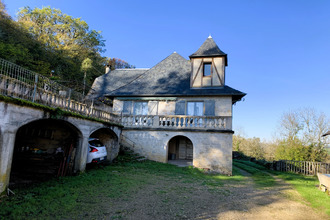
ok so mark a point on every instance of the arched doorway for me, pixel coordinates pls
(180, 148)
(109, 139)
(43, 149)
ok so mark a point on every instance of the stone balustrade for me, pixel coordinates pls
(178, 121)
(18, 89)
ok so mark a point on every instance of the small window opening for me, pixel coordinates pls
(207, 69)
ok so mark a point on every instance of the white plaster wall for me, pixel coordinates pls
(166, 108)
(223, 106)
(211, 150)
(117, 106)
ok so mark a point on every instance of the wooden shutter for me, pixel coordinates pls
(180, 107)
(127, 108)
(209, 108)
(152, 108)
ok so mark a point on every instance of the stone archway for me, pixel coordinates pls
(180, 148)
(109, 139)
(44, 149)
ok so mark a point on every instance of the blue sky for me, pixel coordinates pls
(278, 50)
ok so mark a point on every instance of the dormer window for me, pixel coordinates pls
(207, 69)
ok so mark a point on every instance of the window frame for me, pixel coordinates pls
(204, 64)
(142, 109)
(195, 102)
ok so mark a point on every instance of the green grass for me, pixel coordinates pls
(79, 196)
(306, 186)
(262, 180)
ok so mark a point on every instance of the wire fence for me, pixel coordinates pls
(18, 82)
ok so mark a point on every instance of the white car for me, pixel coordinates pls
(97, 152)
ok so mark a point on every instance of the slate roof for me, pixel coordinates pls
(113, 80)
(208, 49)
(170, 77)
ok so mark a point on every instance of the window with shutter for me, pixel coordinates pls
(195, 108)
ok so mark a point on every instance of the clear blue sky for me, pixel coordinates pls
(278, 50)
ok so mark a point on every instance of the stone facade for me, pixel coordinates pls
(15, 117)
(178, 109)
(211, 150)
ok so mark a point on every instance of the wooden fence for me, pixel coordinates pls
(302, 167)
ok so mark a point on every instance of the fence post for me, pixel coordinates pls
(69, 99)
(35, 87)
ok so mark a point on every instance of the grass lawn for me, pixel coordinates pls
(82, 196)
(306, 186)
(122, 189)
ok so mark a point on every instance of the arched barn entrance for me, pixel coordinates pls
(43, 149)
(180, 149)
(109, 139)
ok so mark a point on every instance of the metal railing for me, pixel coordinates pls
(18, 82)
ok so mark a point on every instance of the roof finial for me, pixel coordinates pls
(210, 36)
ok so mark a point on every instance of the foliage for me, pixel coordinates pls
(301, 136)
(251, 147)
(116, 63)
(54, 44)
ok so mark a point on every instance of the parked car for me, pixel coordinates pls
(97, 151)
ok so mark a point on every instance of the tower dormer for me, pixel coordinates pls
(208, 65)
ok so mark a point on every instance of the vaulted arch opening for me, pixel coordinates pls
(109, 139)
(43, 149)
(180, 149)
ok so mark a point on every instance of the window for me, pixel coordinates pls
(127, 108)
(207, 69)
(140, 108)
(195, 108)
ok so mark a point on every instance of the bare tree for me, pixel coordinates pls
(301, 131)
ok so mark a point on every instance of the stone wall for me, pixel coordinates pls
(13, 117)
(211, 150)
(223, 105)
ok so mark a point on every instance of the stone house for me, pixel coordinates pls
(177, 110)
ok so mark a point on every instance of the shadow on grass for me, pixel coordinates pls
(148, 190)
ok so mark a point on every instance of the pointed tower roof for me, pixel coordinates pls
(209, 49)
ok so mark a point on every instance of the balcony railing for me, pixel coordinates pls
(18, 82)
(177, 122)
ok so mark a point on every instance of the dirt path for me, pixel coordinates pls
(176, 198)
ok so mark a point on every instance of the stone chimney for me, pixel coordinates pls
(107, 69)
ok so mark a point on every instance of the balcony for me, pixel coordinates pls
(177, 122)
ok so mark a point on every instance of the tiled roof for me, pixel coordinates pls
(113, 80)
(208, 49)
(170, 77)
